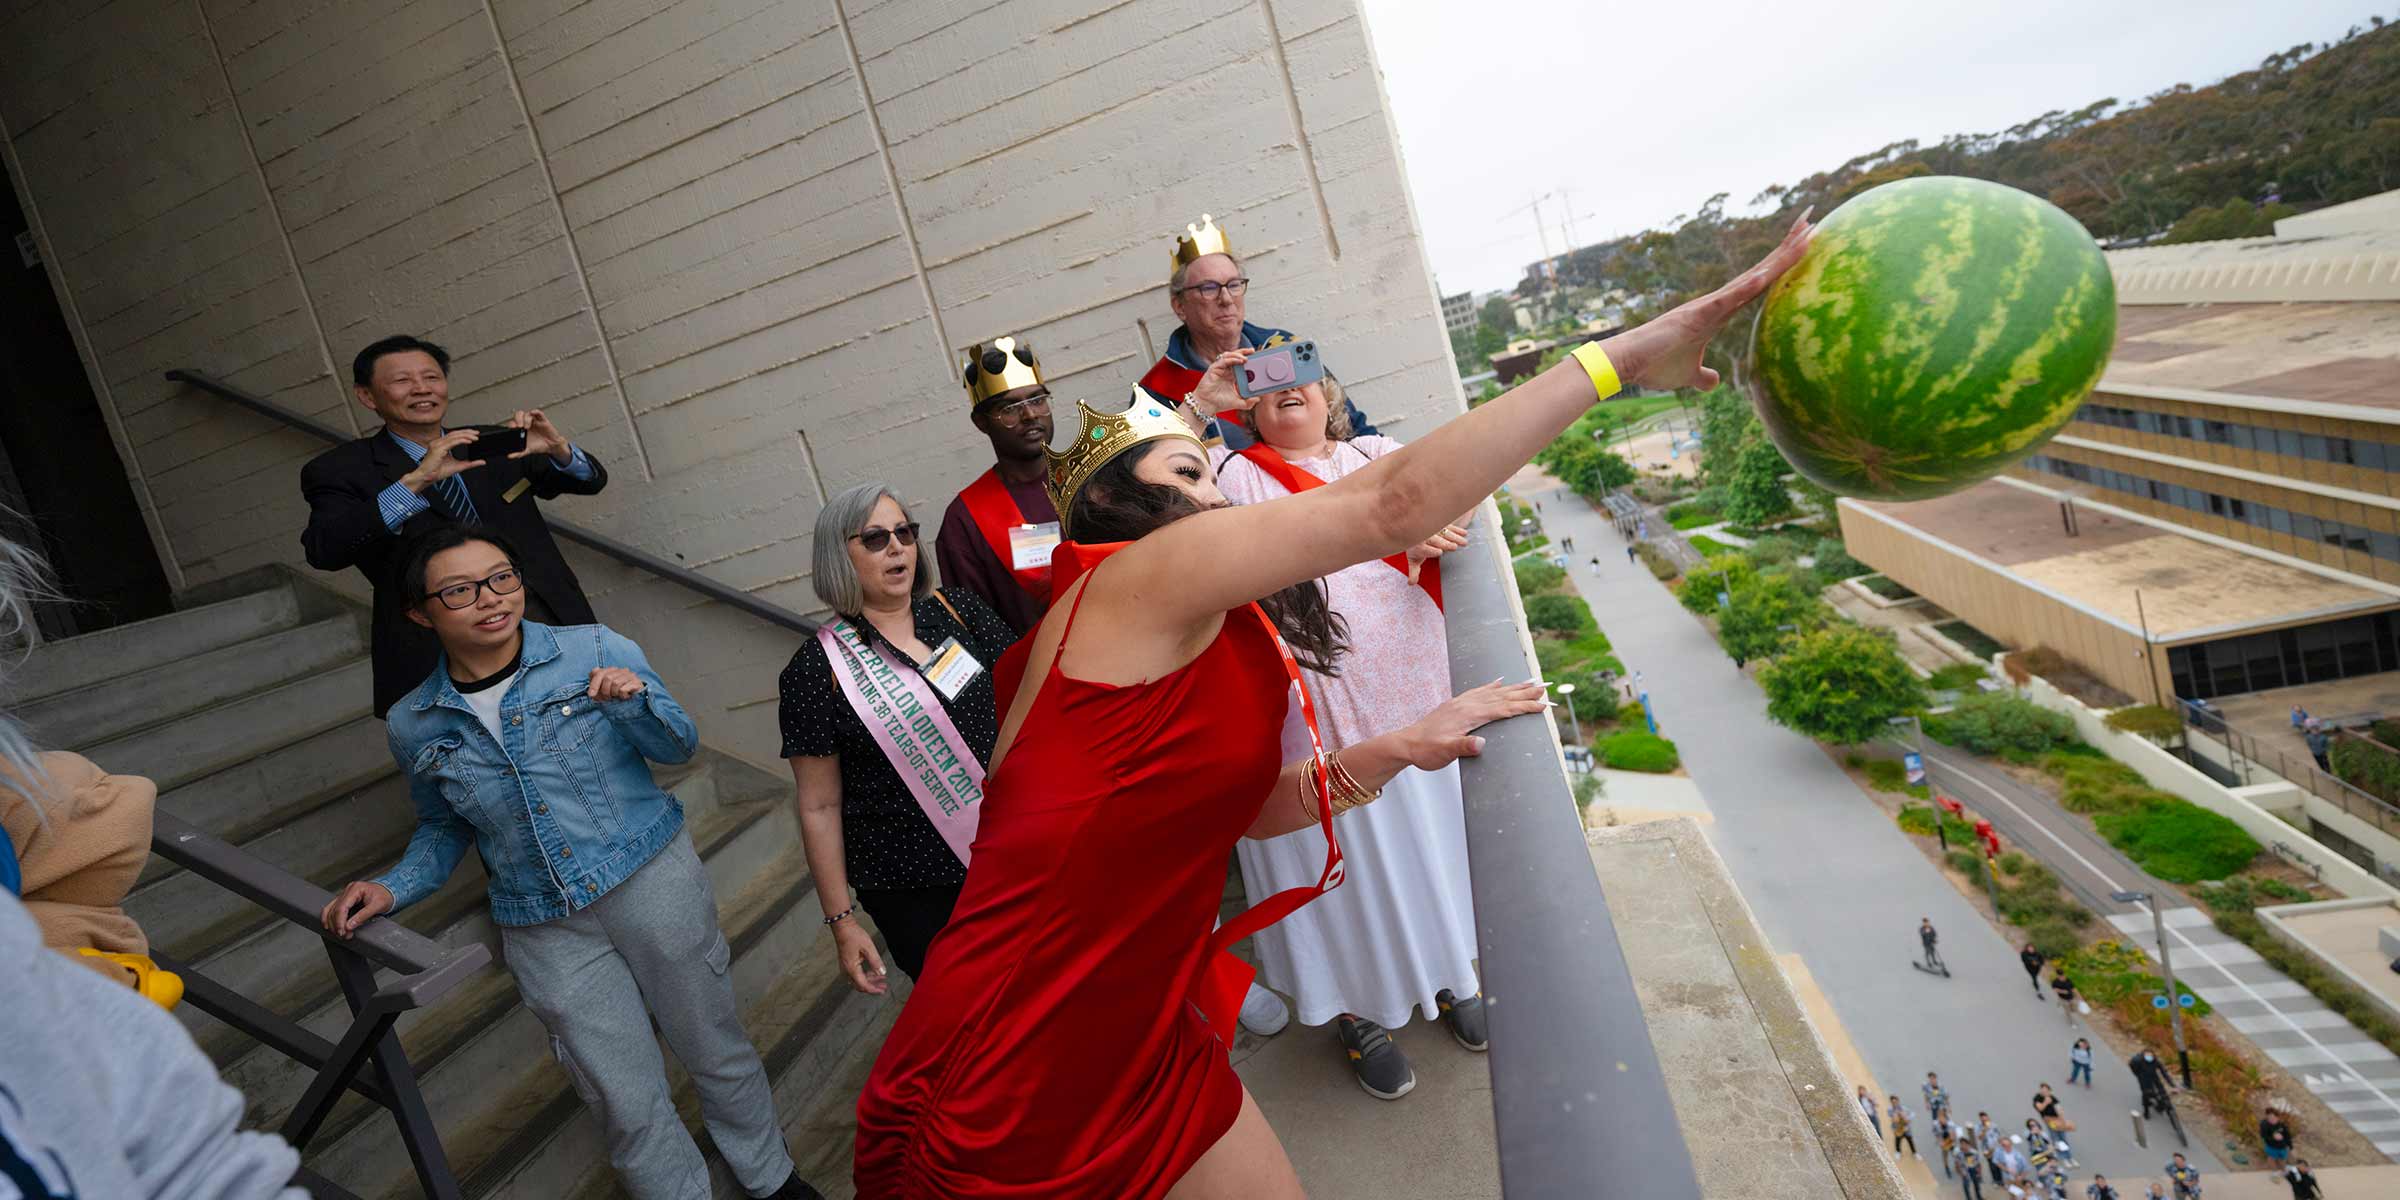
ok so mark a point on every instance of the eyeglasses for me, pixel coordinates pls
(1209, 290)
(1015, 411)
(462, 595)
(874, 540)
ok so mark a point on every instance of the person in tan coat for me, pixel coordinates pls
(81, 836)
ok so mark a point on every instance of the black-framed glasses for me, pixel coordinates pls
(463, 595)
(875, 539)
(1211, 289)
(1016, 411)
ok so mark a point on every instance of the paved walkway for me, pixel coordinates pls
(1834, 881)
(2353, 1074)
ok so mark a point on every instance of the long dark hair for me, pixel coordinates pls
(1116, 506)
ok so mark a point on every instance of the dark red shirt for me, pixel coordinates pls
(968, 561)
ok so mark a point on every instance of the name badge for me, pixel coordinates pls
(951, 669)
(1032, 545)
(510, 496)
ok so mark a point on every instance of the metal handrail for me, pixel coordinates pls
(629, 555)
(1577, 1091)
(2245, 746)
(369, 1059)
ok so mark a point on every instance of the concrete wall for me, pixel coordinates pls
(2175, 777)
(730, 245)
(1999, 603)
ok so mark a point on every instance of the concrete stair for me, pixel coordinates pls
(252, 715)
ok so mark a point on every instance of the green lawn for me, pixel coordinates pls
(1710, 547)
(1693, 518)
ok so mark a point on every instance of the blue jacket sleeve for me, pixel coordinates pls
(650, 719)
(441, 839)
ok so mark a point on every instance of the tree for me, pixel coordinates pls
(1499, 316)
(1726, 421)
(2232, 219)
(1753, 625)
(1723, 573)
(1755, 495)
(1840, 684)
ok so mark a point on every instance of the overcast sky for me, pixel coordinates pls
(1640, 112)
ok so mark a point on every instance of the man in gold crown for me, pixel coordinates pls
(1208, 291)
(996, 536)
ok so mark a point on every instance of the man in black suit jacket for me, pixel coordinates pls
(367, 498)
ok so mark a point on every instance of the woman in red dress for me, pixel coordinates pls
(1063, 1044)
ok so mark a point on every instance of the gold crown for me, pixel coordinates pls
(1198, 240)
(1102, 437)
(1019, 367)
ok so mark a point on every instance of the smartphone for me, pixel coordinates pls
(1280, 369)
(491, 442)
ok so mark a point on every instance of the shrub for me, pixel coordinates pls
(2159, 725)
(1957, 677)
(1834, 562)
(1917, 819)
(1958, 830)
(2366, 764)
(1966, 861)
(1692, 514)
(2178, 841)
(1661, 566)
(2053, 937)
(1634, 750)
(1978, 643)
(1888, 775)
(2096, 785)
(2013, 863)
(1587, 789)
(1535, 577)
(1555, 613)
(2008, 725)
(2107, 972)
(1886, 587)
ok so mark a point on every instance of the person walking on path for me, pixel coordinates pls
(2276, 1136)
(1945, 1145)
(1866, 1104)
(1629, 551)
(1931, 941)
(1595, 566)
(2079, 1062)
(2034, 961)
(1937, 1100)
(2303, 1181)
(1900, 1131)
(2064, 989)
(2100, 1189)
(1968, 1161)
(2185, 1177)
(2299, 717)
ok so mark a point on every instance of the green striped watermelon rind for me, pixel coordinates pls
(2006, 323)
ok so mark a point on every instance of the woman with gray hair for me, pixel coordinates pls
(888, 722)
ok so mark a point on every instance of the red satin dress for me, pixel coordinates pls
(1055, 1048)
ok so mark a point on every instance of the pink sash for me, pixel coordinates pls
(900, 708)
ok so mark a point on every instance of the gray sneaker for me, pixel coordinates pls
(1382, 1070)
(1467, 1021)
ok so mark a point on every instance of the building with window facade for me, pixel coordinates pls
(2222, 517)
(1458, 312)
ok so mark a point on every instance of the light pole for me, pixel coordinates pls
(1566, 691)
(2166, 966)
(1940, 834)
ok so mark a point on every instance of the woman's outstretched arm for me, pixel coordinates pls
(1215, 561)
(1436, 740)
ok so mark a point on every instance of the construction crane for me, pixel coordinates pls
(1541, 230)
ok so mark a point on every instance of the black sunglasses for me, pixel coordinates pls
(461, 595)
(874, 540)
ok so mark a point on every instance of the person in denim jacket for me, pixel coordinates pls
(533, 743)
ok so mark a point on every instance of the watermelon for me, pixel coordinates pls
(1937, 330)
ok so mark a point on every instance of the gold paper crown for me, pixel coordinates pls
(1199, 240)
(1103, 437)
(1019, 367)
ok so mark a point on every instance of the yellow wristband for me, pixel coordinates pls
(1595, 363)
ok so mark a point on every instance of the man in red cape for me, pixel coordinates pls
(996, 536)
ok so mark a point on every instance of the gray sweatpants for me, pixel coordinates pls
(654, 938)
